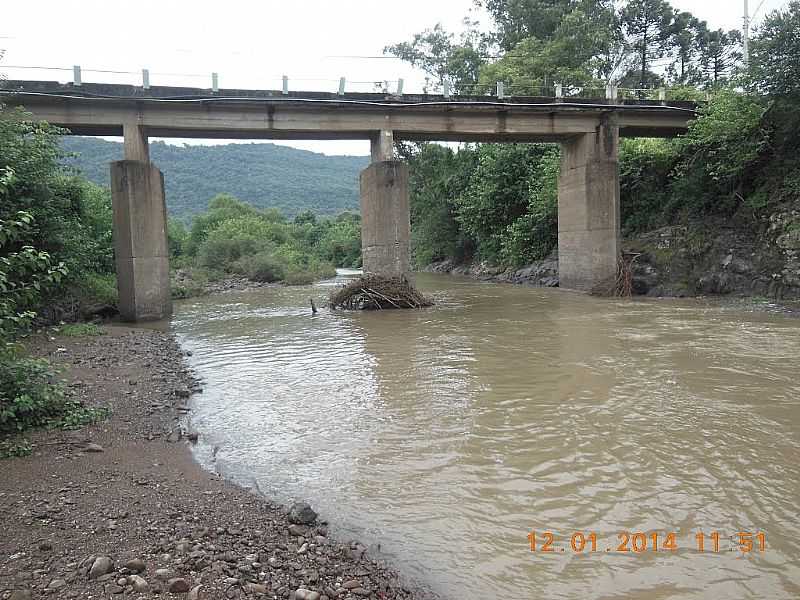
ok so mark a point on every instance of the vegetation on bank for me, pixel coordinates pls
(738, 164)
(235, 238)
(48, 235)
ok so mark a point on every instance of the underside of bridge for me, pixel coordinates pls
(588, 189)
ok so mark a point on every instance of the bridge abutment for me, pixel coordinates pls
(385, 218)
(140, 241)
(588, 208)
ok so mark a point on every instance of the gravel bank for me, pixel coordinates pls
(121, 510)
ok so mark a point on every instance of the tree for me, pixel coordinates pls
(687, 33)
(436, 52)
(648, 25)
(578, 52)
(775, 53)
(719, 53)
(516, 20)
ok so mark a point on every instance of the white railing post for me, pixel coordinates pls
(214, 82)
(501, 91)
(342, 82)
(662, 95)
(609, 92)
(559, 91)
(285, 85)
(446, 89)
(400, 87)
(146, 79)
(76, 75)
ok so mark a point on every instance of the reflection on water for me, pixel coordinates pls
(447, 434)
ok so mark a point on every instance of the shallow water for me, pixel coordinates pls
(447, 435)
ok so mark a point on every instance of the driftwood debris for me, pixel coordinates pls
(620, 286)
(373, 292)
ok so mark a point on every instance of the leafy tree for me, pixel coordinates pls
(517, 20)
(497, 193)
(775, 53)
(438, 176)
(444, 59)
(648, 25)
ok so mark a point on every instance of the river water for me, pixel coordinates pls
(447, 435)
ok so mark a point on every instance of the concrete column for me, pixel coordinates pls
(140, 241)
(385, 220)
(382, 146)
(588, 208)
(135, 142)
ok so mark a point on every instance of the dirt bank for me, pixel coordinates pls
(120, 508)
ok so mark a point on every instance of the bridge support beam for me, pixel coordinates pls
(385, 218)
(140, 241)
(588, 209)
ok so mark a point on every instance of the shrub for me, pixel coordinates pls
(262, 267)
(30, 396)
(79, 329)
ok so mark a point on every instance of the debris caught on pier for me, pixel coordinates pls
(374, 292)
(621, 285)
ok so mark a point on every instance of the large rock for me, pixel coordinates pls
(301, 513)
(139, 584)
(101, 566)
(178, 585)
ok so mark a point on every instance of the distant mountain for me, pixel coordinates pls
(265, 175)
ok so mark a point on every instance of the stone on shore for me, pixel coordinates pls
(178, 585)
(301, 513)
(139, 584)
(101, 566)
(135, 565)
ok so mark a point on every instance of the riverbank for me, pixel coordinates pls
(121, 507)
(697, 259)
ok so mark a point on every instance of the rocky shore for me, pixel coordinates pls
(120, 509)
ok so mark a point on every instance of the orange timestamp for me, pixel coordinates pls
(640, 542)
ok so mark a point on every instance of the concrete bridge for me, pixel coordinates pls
(588, 131)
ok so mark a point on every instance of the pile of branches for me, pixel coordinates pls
(373, 292)
(620, 286)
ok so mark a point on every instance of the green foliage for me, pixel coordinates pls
(775, 52)
(437, 177)
(725, 139)
(645, 165)
(443, 58)
(288, 179)
(235, 238)
(534, 235)
(31, 397)
(79, 330)
(497, 194)
(15, 448)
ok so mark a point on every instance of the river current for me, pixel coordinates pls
(448, 435)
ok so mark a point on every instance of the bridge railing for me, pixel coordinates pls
(559, 92)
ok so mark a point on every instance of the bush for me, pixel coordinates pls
(262, 267)
(31, 397)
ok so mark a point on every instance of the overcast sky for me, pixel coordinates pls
(250, 44)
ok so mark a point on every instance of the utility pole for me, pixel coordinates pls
(746, 46)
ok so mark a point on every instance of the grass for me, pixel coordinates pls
(79, 330)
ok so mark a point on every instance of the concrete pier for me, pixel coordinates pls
(140, 241)
(588, 208)
(385, 218)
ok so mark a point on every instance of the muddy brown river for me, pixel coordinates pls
(450, 435)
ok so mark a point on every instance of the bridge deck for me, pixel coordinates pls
(102, 109)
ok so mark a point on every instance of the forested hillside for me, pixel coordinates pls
(266, 175)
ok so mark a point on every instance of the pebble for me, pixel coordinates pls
(163, 574)
(101, 566)
(21, 595)
(92, 447)
(299, 530)
(194, 593)
(351, 584)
